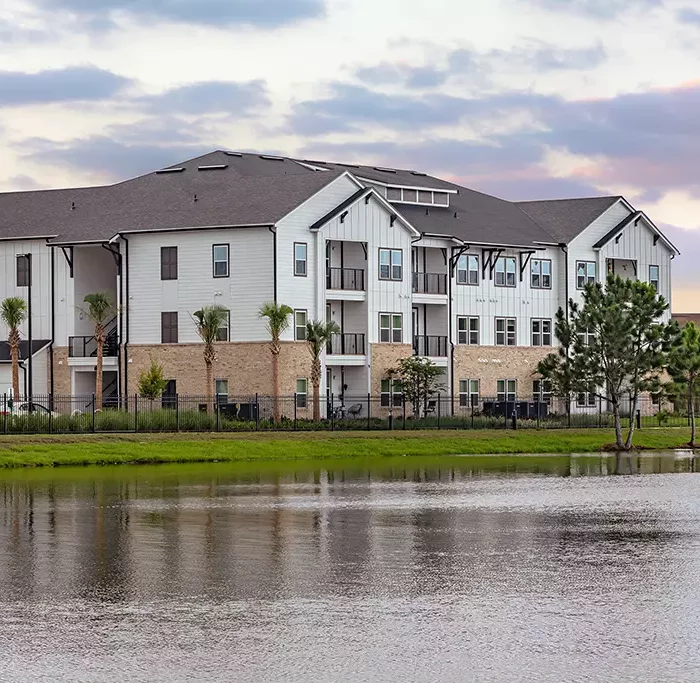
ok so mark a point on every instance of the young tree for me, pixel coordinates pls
(99, 311)
(13, 313)
(152, 382)
(684, 369)
(419, 379)
(277, 316)
(318, 334)
(618, 345)
(208, 321)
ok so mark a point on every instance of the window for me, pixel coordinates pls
(168, 263)
(468, 331)
(506, 389)
(393, 194)
(300, 325)
(392, 393)
(468, 270)
(542, 391)
(585, 273)
(22, 271)
(300, 260)
(301, 393)
(654, 277)
(221, 390)
(468, 392)
(223, 335)
(587, 338)
(390, 264)
(586, 399)
(441, 198)
(168, 328)
(505, 271)
(220, 254)
(411, 196)
(541, 332)
(505, 332)
(541, 274)
(391, 328)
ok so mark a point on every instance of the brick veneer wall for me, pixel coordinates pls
(383, 357)
(61, 372)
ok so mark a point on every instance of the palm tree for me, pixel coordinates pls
(208, 321)
(277, 322)
(318, 334)
(13, 313)
(99, 311)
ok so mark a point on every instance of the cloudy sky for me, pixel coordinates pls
(525, 99)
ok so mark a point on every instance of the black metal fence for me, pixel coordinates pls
(54, 414)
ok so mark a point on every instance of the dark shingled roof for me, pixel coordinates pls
(565, 219)
(37, 345)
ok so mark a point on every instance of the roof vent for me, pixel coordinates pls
(195, 198)
(213, 167)
(385, 170)
(72, 206)
(163, 171)
(422, 175)
(348, 165)
(233, 154)
(270, 157)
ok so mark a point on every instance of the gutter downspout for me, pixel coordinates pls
(53, 322)
(273, 230)
(125, 267)
(450, 329)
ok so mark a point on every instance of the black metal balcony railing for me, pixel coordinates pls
(435, 347)
(430, 283)
(347, 345)
(352, 279)
(86, 347)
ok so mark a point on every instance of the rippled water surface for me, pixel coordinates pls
(452, 569)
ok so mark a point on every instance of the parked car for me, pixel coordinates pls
(27, 408)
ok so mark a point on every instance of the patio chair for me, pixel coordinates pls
(355, 410)
(431, 407)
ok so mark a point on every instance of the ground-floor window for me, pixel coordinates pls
(468, 392)
(301, 394)
(542, 391)
(586, 399)
(506, 389)
(221, 388)
(392, 393)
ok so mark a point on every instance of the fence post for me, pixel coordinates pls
(639, 418)
(4, 412)
(438, 410)
(51, 414)
(538, 412)
(332, 413)
(93, 412)
(600, 412)
(403, 397)
(369, 410)
(136, 413)
(296, 427)
(471, 402)
(177, 412)
(218, 414)
(257, 413)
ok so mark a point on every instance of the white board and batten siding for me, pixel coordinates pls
(249, 285)
(307, 293)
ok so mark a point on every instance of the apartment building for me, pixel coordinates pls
(406, 263)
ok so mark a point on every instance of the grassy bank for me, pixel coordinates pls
(58, 450)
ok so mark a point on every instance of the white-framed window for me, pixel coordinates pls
(468, 330)
(391, 328)
(225, 329)
(468, 392)
(586, 399)
(221, 390)
(654, 277)
(587, 338)
(505, 332)
(390, 264)
(468, 270)
(220, 258)
(300, 259)
(506, 389)
(414, 196)
(541, 274)
(541, 332)
(505, 271)
(542, 391)
(585, 273)
(300, 319)
(392, 393)
(301, 393)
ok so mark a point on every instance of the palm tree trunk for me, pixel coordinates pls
(14, 354)
(100, 339)
(275, 383)
(210, 382)
(316, 383)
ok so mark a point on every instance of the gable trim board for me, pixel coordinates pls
(634, 219)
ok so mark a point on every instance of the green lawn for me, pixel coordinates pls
(58, 450)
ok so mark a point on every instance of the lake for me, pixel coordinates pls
(564, 568)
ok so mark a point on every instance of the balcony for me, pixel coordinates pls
(431, 346)
(430, 283)
(86, 347)
(347, 345)
(346, 279)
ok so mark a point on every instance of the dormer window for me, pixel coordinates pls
(417, 196)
